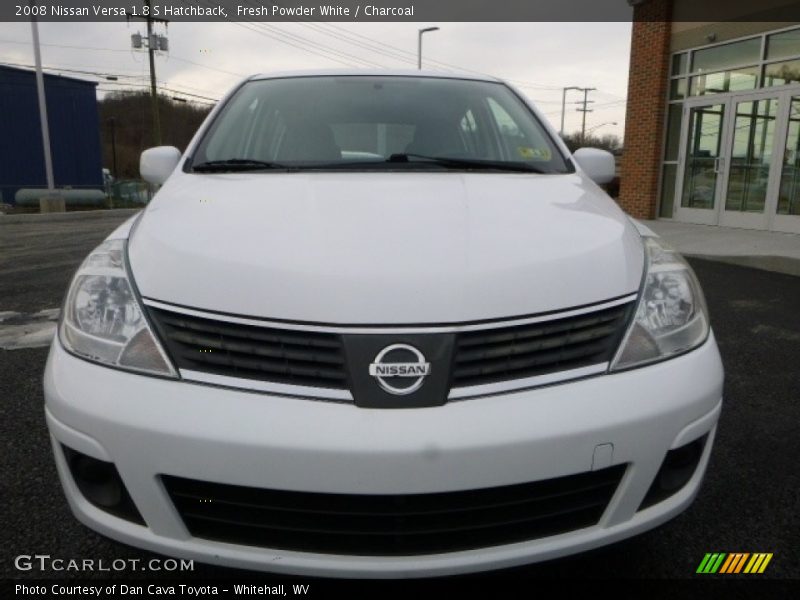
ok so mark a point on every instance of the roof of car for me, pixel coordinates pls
(375, 72)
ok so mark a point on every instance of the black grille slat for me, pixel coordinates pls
(253, 352)
(250, 332)
(548, 328)
(549, 343)
(514, 363)
(277, 368)
(271, 351)
(509, 353)
(392, 524)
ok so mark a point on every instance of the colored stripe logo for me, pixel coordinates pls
(734, 562)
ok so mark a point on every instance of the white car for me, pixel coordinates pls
(380, 324)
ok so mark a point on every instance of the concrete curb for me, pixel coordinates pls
(80, 215)
(775, 264)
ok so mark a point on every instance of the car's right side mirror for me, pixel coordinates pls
(157, 164)
(597, 164)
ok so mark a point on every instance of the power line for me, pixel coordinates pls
(309, 50)
(70, 70)
(144, 86)
(171, 56)
(65, 46)
(307, 45)
(169, 89)
(162, 87)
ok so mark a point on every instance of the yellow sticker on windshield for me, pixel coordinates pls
(529, 153)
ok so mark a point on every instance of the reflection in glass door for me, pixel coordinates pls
(752, 144)
(787, 214)
(703, 163)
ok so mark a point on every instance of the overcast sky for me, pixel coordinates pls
(208, 58)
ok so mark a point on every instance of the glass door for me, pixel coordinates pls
(786, 215)
(702, 160)
(750, 183)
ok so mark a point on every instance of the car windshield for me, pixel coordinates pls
(376, 122)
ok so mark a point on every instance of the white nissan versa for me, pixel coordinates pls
(380, 324)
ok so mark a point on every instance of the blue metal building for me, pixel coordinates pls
(74, 133)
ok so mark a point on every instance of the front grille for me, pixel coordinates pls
(313, 358)
(392, 524)
(508, 353)
(267, 354)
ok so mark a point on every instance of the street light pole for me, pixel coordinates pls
(48, 159)
(564, 104)
(591, 129)
(419, 44)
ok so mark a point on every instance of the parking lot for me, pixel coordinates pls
(748, 503)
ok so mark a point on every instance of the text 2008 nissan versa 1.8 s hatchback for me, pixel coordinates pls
(380, 324)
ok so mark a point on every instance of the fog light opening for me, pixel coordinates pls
(677, 469)
(98, 481)
(101, 485)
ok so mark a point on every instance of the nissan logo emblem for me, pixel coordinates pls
(400, 369)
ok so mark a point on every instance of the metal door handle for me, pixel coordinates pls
(718, 164)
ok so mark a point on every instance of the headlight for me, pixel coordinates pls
(102, 319)
(671, 317)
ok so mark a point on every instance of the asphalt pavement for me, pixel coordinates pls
(39, 253)
(748, 503)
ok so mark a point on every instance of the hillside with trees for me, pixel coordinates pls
(133, 125)
(609, 142)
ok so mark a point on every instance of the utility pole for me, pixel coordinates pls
(153, 92)
(564, 104)
(113, 122)
(154, 43)
(584, 110)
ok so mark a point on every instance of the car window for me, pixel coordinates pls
(317, 121)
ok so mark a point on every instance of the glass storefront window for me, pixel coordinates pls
(782, 73)
(680, 62)
(740, 162)
(677, 89)
(789, 194)
(701, 173)
(751, 155)
(783, 45)
(725, 81)
(726, 56)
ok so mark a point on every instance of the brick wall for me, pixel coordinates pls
(644, 120)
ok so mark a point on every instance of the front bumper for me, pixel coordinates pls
(150, 427)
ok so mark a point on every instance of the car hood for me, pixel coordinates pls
(384, 248)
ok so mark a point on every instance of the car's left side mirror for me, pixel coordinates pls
(157, 164)
(597, 164)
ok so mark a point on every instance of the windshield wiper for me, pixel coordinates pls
(236, 164)
(465, 163)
